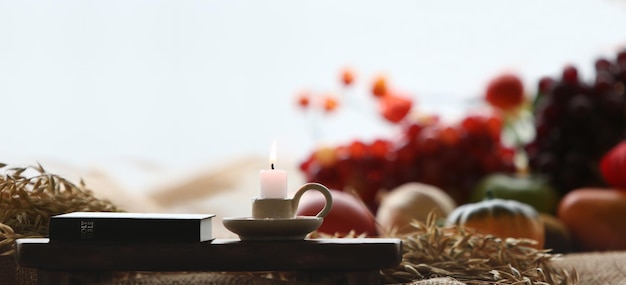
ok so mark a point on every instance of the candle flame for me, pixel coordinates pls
(273, 155)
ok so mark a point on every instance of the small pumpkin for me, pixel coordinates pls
(501, 218)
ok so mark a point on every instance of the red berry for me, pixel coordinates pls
(494, 126)
(330, 103)
(450, 136)
(357, 150)
(379, 148)
(404, 152)
(409, 133)
(505, 92)
(304, 99)
(473, 124)
(430, 140)
(394, 108)
(379, 86)
(347, 76)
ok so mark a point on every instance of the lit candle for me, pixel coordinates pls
(273, 181)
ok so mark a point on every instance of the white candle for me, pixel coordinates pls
(273, 181)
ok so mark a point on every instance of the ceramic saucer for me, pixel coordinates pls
(272, 229)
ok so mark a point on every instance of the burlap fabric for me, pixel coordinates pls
(243, 279)
(8, 269)
(593, 268)
(597, 268)
(10, 273)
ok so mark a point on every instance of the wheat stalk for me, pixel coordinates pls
(460, 253)
(30, 195)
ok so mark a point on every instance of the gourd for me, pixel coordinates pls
(410, 202)
(501, 218)
(531, 189)
(595, 217)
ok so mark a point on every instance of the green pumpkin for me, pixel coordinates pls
(501, 218)
(533, 190)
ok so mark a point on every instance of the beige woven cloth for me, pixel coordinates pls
(593, 268)
(597, 268)
(243, 279)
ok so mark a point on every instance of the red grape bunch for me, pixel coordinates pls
(577, 122)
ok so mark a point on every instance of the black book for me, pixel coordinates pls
(130, 227)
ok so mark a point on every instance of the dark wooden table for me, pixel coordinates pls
(358, 261)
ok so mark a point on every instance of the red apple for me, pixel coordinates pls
(347, 213)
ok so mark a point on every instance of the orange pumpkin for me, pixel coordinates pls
(501, 218)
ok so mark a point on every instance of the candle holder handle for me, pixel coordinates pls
(320, 188)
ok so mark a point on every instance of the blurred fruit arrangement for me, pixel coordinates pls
(451, 157)
(426, 150)
(563, 185)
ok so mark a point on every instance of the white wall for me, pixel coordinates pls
(184, 83)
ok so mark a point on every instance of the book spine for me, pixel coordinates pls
(126, 230)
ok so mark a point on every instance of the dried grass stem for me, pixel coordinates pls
(433, 251)
(30, 195)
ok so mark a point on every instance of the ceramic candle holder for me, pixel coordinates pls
(271, 208)
(276, 219)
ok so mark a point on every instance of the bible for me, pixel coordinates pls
(130, 227)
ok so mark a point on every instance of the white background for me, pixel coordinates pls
(188, 83)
